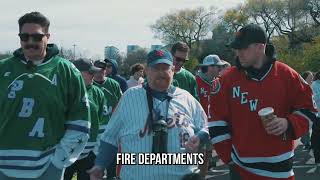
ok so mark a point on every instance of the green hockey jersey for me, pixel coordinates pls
(186, 80)
(112, 93)
(98, 115)
(44, 114)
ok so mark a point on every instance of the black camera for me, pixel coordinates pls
(160, 136)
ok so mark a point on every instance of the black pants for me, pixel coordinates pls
(111, 170)
(315, 141)
(80, 167)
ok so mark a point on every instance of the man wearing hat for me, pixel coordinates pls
(253, 150)
(112, 93)
(101, 79)
(209, 71)
(133, 124)
(226, 66)
(98, 113)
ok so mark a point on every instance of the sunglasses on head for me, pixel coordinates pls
(179, 59)
(36, 37)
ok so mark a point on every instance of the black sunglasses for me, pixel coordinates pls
(36, 37)
(179, 59)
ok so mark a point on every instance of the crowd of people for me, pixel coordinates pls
(60, 118)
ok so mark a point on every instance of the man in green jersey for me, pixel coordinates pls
(101, 80)
(112, 91)
(98, 113)
(44, 122)
(183, 78)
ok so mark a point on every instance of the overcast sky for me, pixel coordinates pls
(94, 24)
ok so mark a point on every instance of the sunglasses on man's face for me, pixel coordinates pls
(35, 37)
(179, 59)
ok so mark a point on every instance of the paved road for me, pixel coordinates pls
(303, 167)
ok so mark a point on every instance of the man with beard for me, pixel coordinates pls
(257, 150)
(43, 106)
(138, 116)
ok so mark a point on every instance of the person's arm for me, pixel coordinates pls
(219, 127)
(302, 107)
(201, 124)
(110, 138)
(201, 134)
(109, 142)
(77, 122)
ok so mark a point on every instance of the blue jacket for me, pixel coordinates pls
(114, 75)
(316, 92)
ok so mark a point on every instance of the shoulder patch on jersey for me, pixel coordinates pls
(216, 86)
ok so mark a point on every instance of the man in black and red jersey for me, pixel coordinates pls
(258, 81)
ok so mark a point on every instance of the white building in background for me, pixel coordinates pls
(111, 52)
(155, 47)
(132, 48)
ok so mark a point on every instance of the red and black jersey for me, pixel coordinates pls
(237, 131)
(205, 91)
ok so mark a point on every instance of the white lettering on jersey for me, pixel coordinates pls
(27, 107)
(37, 130)
(17, 85)
(236, 91)
(6, 74)
(244, 99)
(203, 91)
(54, 80)
(253, 105)
(12, 95)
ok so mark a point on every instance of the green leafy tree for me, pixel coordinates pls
(188, 25)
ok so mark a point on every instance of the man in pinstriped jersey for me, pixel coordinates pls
(128, 125)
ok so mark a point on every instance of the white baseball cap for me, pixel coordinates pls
(212, 59)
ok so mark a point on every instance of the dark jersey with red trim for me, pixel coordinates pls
(237, 131)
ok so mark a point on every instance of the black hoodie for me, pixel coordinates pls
(52, 50)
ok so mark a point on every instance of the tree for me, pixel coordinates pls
(305, 59)
(311, 55)
(261, 12)
(138, 56)
(189, 26)
(235, 19)
(292, 20)
(313, 6)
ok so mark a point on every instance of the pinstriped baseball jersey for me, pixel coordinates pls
(128, 126)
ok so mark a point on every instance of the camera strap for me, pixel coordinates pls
(169, 96)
